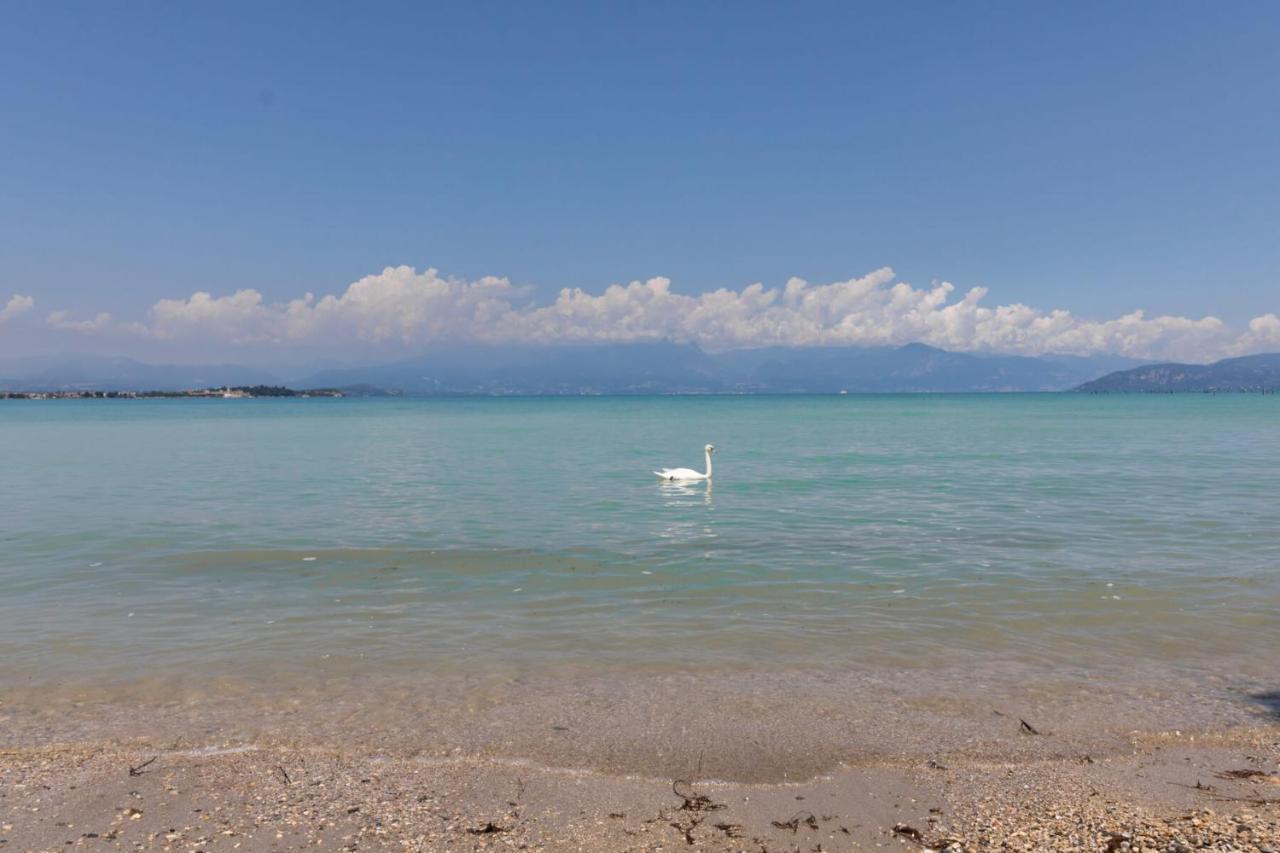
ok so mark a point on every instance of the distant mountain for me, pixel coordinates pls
(632, 368)
(1248, 373)
(640, 368)
(910, 368)
(123, 374)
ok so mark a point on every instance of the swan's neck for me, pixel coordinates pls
(708, 464)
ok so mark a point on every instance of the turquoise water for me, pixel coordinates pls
(523, 535)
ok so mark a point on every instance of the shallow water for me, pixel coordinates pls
(514, 537)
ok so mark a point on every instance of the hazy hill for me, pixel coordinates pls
(668, 368)
(634, 368)
(642, 368)
(1247, 373)
(123, 374)
(910, 368)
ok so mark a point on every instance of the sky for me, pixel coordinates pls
(316, 180)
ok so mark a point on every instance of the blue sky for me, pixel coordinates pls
(1090, 158)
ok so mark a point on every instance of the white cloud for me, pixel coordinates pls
(397, 305)
(17, 304)
(62, 321)
(872, 310)
(402, 307)
(1263, 336)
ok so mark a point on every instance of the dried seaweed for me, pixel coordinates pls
(805, 818)
(693, 801)
(686, 830)
(908, 832)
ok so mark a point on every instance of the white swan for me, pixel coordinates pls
(688, 473)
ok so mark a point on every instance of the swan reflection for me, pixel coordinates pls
(680, 493)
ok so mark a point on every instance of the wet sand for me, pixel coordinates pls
(774, 762)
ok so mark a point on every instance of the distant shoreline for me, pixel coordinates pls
(234, 392)
(290, 393)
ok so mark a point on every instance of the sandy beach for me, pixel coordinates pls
(1166, 794)
(561, 766)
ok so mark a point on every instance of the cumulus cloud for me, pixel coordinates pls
(397, 305)
(62, 320)
(1263, 336)
(871, 310)
(17, 304)
(403, 307)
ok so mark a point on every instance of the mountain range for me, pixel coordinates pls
(631, 368)
(1247, 373)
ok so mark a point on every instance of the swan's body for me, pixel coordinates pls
(688, 473)
(682, 474)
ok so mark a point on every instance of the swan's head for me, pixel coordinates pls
(710, 448)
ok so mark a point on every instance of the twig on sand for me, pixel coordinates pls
(1198, 786)
(1242, 774)
(1253, 801)
(284, 775)
(1227, 798)
(137, 771)
(1026, 728)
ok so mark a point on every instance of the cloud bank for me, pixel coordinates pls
(401, 307)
